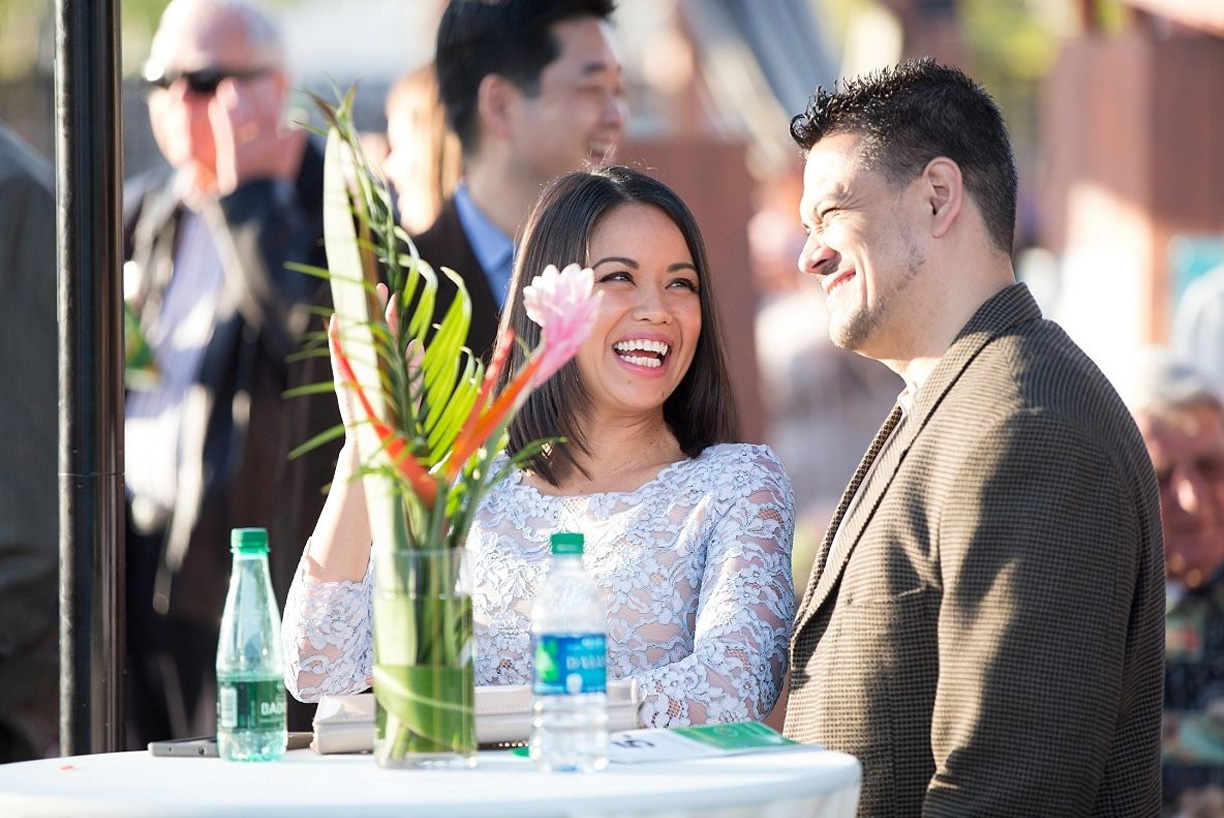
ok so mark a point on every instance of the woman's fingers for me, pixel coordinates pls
(344, 398)
(393, 314)
(390, 307)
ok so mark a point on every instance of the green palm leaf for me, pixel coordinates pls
(450, 420)
(440, 364)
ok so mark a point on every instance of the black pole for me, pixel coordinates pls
(87, 188)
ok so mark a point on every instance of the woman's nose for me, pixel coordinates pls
(651, 306)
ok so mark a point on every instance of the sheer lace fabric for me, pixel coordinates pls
(695, 566)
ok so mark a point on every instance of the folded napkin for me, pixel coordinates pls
(345, 724)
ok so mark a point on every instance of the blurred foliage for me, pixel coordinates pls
(20, 35)
(1010, 40)
(1007, 39)
(1018, 40)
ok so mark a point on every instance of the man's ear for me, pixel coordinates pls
(495, 99)
(944, 188)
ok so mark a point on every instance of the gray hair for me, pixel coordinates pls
(1164, 383)
(262, 36)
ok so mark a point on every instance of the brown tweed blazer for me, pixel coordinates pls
(986, 634)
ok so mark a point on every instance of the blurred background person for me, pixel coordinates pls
(1181, 418)
(207, 433)
(1198, 325)
(423, 157)
(532, 89)
(29, 521)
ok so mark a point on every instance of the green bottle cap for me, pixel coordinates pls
(567, 543)
(249, 541)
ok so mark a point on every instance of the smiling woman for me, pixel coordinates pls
(650, 266)
(687, 534)
(650, 316)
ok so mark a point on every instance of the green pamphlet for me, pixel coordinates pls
(705, 741)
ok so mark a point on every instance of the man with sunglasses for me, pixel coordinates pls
(210, 298)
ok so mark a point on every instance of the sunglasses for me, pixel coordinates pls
(202, 81)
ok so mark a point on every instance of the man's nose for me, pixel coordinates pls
(615, 111)
(1191, 491)
(816, 258)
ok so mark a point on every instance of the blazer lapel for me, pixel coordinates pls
(1011, 306)
(840, 545)
(856, 481)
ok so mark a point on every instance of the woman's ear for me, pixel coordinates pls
(495, 98)
(944, 188)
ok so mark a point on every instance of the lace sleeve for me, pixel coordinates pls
(325, 636)
(744, 612)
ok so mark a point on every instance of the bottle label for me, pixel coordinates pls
(570, 663)
(253, 705)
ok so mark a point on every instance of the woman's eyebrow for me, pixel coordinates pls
(618, 260)
(628, 262)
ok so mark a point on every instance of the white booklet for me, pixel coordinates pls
(705, 741)
(345, 724)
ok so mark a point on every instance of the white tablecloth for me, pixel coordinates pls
(811, 783)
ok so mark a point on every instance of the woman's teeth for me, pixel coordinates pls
(655, 351)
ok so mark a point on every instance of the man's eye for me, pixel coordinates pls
(1211, 466)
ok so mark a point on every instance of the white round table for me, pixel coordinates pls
(808, 782)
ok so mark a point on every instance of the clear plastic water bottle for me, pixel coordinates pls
(569, 725)
(250, 679)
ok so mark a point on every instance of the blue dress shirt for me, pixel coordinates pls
(493, 248)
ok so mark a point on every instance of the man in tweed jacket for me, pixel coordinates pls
(983, 624)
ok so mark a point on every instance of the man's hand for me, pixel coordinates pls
(248, 135)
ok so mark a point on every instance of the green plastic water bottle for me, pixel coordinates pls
(250, 676)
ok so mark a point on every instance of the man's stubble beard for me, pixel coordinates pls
(855, 332)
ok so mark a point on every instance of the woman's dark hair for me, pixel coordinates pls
(700, 412)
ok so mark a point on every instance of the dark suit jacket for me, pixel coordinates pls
(445, 244)
(29, 494)
(237, 429)
(986, 635)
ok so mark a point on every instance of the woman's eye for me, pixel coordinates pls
(620, 275)
(686, 283)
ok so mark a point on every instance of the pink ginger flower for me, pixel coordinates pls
(563, 305)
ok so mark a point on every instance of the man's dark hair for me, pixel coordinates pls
(913, 112)
(701, 412)
(506, 37)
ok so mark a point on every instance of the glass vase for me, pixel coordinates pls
(424, 687)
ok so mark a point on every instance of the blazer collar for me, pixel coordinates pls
(1006, 309)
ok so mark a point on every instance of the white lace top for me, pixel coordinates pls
(695, 565)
